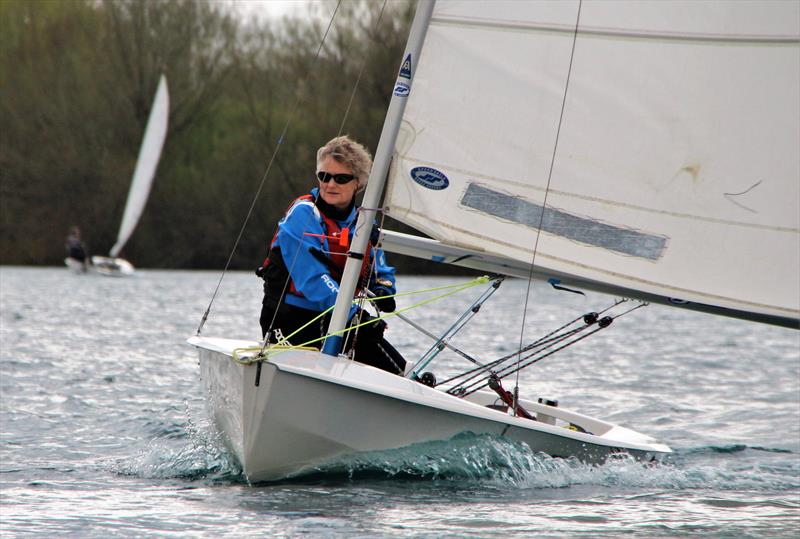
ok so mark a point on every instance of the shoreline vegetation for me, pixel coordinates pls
(81, 76)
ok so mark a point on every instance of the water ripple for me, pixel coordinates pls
(104, 433)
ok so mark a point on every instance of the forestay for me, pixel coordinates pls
(143, 174)
(676, 173)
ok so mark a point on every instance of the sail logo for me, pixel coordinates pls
(429, 178)
(401, 89)
(405, 69)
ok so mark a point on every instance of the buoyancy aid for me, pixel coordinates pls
(275, 271)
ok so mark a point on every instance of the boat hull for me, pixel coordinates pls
(75, 265)
(303, 409)
(112, 267)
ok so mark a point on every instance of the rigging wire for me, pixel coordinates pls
(454, 328)
(543, 348)
(281, 139)
(478, 371)
(543, 343)
(450, 290)
(264, 176)
(360, 73)
(603, 323)
(546, 192)
(338, 133)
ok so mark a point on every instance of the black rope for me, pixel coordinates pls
(601, 323)
(480, 369)
(548, 338)
(545, 345)
(539, 350)
(518, 367)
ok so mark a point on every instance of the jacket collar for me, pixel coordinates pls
(332, 211)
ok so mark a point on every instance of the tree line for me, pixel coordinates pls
(78, 80)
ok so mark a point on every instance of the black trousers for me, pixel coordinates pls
(77, 253)
(370, 346)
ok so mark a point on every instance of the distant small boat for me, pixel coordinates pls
(75, 265)
(143, 175)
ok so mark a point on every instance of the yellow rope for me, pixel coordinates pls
(237, 352)
(284, 346)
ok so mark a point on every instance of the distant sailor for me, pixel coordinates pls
(75, 248)
(307, 256)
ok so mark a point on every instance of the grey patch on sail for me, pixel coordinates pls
(589, 231)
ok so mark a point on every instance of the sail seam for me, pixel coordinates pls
(755, 39)
(714, 220)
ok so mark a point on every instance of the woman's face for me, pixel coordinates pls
(335, 194)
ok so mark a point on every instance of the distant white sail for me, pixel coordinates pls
(677, 171)
(143, 174)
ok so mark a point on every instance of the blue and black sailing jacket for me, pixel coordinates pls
(311, 247)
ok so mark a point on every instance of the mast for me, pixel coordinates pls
(377, 177)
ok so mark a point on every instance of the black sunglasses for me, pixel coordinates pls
(341, 179)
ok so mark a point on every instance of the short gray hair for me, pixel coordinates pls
(348, 152)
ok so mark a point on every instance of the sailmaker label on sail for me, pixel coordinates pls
(429, 178)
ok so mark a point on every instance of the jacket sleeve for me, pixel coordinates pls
(383, 276)
(311, 277)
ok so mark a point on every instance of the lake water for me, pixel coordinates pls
(105, 432)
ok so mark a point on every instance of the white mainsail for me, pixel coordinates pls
(143, 174)
(273, 403)
(676, 174)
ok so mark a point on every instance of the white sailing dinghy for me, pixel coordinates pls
(648, 150)
(143, 175)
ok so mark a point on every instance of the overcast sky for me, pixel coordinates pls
(269, 8)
